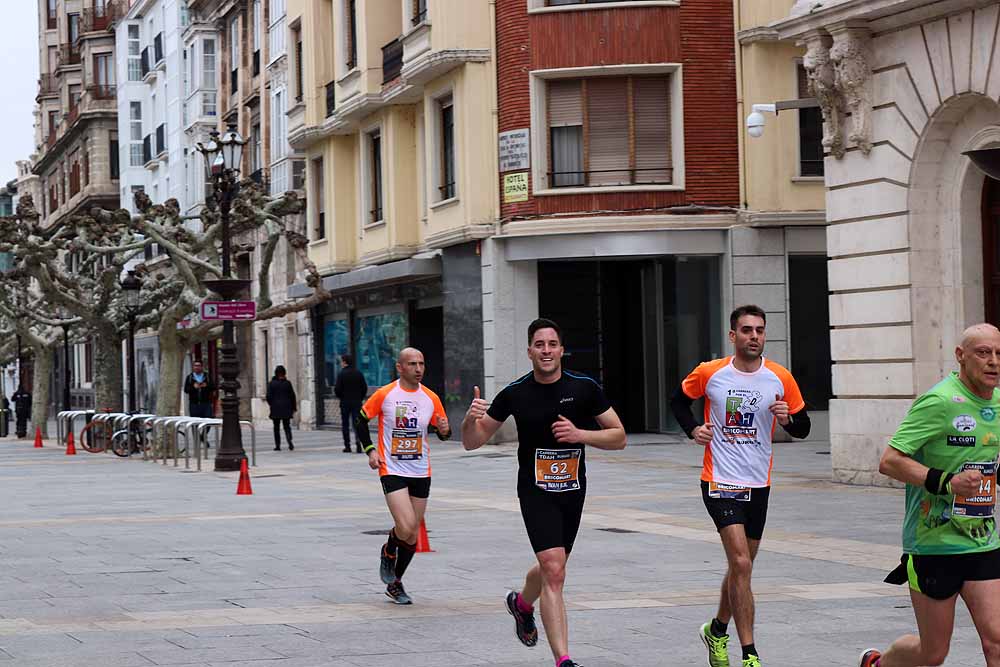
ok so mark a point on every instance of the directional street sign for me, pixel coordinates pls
(228, 310)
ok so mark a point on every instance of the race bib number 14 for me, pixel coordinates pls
(557, 469)
(984, 501)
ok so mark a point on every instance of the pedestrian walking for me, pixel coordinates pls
(199, 388)
(22, 405)
(281, 398)
(351, 389)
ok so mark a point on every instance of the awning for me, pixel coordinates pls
(403, 271)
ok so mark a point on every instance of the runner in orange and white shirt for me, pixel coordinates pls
(406, 412)
(746, 397)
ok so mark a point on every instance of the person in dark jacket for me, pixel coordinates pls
(281, 398)
(351, 389)
(199, 387)
(22, 404)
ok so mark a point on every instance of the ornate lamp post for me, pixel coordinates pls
(223, 157)
(131, 286)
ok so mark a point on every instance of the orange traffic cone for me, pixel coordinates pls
(38, 436)
(70, 447)
(423, 545)
(243, 488)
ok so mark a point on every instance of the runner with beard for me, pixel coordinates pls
(557, 413)
(746, 396)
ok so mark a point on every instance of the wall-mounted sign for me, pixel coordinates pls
(515, 187)
(515, 150)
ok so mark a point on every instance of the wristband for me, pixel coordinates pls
(937, 481)
(947, 488)
(369, 448)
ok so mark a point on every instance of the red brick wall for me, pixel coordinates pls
(698, 34)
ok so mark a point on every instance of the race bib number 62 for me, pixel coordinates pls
(557, 469)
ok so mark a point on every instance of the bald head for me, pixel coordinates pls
(983, 332)
(410, 366)
(978, 358)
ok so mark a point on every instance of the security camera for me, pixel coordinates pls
(756, 120)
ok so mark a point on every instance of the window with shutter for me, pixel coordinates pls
(608, 131)
(651, 110)
(565, 107)
(810, 132)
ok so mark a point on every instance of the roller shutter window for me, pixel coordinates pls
(608, 131)
(565, 107)
(651, 104)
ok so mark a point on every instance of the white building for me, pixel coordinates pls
(166, 101)
(906, 86)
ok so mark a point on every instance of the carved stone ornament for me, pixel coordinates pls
(822, 85)
(854, 82)
(840, 79)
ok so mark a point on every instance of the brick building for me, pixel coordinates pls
(620, 190)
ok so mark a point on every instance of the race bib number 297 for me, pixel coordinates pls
(557, 469)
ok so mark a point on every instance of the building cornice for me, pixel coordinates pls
(783, 218)
(880, 15)
(625, 223)
(457, 235)
(761, 33)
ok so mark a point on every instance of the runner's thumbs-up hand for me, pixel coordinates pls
(967, 483)
(703, 434)
(478, 408)
(564, 431)
(780, 410)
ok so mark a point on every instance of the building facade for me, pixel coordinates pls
(620, 179)
(783, 198)
(904, 88)
(76, 158)
(391, 102)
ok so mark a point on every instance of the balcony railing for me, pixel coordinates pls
(51, 22)
(101, 92)
(72, 114)
(419, 12)
(392, 60)
(260, 178)
(48, 84)
(69, 54)
(161, 139)
(331, 98)
(50, 140)
(298, 174)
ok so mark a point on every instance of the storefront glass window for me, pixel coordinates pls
(379, 338)
(336, 342)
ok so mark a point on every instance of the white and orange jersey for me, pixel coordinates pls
(403, 419)
(737, 404)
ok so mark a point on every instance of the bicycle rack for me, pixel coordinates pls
(64, 422)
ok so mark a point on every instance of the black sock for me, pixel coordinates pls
(403, 557)
(392, 544)
(718, 628)
(749, 650)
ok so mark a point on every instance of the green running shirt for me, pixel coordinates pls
(951, 429)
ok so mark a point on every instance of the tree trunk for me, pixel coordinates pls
(171, 364)
(107, 369)
(40, 392)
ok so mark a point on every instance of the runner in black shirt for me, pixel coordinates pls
(557, 413)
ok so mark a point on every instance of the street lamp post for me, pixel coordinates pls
(66, 375)
(223, 157)
(131, 286)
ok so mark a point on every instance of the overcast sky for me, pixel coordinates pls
(19, 59)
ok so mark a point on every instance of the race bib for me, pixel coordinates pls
(407, 444)
(557, 469)
(984, 502)
(724, 491)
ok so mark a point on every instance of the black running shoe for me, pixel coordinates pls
(386, 566)
(395, 592)
(524, 623)
(569, 663)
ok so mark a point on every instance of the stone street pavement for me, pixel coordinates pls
(108, 562)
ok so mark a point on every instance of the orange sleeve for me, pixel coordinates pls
(792, 395)
(439, 412)
(694, 384)
(373, 406)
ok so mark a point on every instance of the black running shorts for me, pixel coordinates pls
(552, 519)
(751, 513)
(942, 577)
(419, 487)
